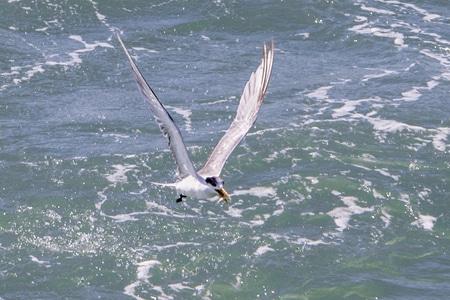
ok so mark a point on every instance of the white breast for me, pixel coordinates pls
(192, 187)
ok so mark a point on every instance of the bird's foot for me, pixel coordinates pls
(180, 199)
(224, 200)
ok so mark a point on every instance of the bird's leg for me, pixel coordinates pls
(181, 198)
(224, 200)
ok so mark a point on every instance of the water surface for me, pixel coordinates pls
(339, 191)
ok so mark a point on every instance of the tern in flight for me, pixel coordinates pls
(206, 183)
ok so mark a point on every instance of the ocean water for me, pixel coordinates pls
(341, 190)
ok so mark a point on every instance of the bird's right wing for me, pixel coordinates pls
(246, 115)
(165, 121)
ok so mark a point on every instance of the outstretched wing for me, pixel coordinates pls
(164, 120)
(246, 115)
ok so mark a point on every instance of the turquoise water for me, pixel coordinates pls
(340, 191)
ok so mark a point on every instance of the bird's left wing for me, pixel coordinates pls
(246, 115)
(164, 120)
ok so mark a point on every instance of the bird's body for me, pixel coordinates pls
(194, 187)
(206, 183)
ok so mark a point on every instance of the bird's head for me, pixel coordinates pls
(217, 184)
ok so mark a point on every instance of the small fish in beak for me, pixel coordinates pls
(223, 195)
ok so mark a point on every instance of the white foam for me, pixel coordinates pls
(387, 174)
(405, 199)
(32, 70)
(414, 94)
(377, 195)
(425, 194)
(393, 126)
(385, 217)
(320, 93)
(297, 240)
(442, 59)
(425, 221)
(43, 29)
(256, 223)
(342, 215)
(163, 295)
(430, 17)
(308, 242)
(124, 217)
(144, 49)
(158, 209)
(314, 180)
(38, 261)
(336, 193)
(142, 276)
(75, 55)
(143, 270)
(346, 109)
(426, 15)
(377, 10)
(238, 283)
(271, 157)
(305, 35)
(234, 212)
(199, 289)
(361, 167)
(411, 95)
(262, 250)
(378, 75)
(119, 175)
(176, 245)
(369, 28)
(440, 137)
(280, 210)
(100, 17)
(258, 191)
(130, 290)
(179, 287)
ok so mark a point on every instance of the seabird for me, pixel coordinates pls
(206, 183)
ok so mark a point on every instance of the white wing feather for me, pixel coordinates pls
(246, 115)
(165, 122)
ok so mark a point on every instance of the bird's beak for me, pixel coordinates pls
(223, 195)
